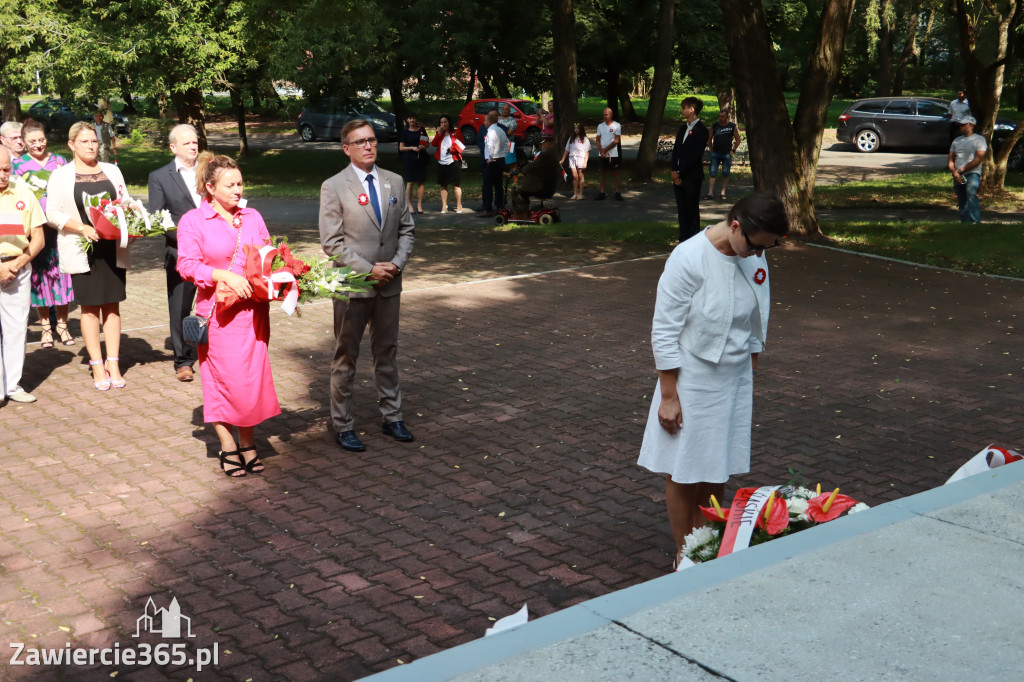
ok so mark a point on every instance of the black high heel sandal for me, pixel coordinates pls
(237, 469)
(65, 335)
(254, 465)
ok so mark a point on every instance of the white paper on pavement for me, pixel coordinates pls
(518, 618)
(989, 458)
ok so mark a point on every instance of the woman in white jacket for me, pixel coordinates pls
(97, 276)
(710, 322)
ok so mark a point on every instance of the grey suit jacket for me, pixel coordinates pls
(167, 190)
(351, 234)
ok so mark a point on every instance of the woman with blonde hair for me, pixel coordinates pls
(234, 366)
(98, 275)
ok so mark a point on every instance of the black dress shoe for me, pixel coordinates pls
(397, 431)
(350, 441)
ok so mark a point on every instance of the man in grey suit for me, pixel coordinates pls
(173, 187)
(365, 223)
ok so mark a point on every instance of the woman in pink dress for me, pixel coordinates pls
(238, 389)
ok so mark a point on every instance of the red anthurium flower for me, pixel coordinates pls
(778, 517)
(816, 506)
(711, 514)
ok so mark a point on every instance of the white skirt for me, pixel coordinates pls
(714, 443)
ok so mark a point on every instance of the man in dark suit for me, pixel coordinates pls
(365, 223)
(688, 167)
(173, 187)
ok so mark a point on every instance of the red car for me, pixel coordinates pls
(528, 123)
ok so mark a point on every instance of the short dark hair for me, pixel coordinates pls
(32, 126)
(450, 124)
(760, 212)
(354, 124)
(694, 102)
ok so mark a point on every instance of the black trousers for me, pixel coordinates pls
(688, 206)
(494, 185)
(180, 295)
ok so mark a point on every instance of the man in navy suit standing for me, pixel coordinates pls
(688, 167)
(173, 187)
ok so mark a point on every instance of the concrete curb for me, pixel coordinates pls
(612, 608)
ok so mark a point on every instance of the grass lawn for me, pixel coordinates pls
(910, 191)
(991, 249)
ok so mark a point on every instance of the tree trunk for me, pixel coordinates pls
(472, 85)
(397, 101)
(612, 91)
(161, 105)
(663, 63)
(486, 89)
(126, 95)
(628, 112)
(726, 99)
(238, 104)
(909, 47)
(886, 30)
(502, 86)
(1020, 94)
(190, 107)
(11, 106)
(783, 155)
(921, 56)
(985, 81)
(563, 25)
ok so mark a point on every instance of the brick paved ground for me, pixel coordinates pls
(527, 397)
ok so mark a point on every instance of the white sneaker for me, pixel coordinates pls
(22, 396)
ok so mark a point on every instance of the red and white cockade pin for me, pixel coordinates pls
(20, 206)
(363, 200)
(237, 220)
(760, 276)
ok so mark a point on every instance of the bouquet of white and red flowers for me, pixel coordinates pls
(758, 515)
(276, 274)
(122, 220)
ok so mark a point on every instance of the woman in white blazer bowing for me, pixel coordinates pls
(710, 323)
(98, 275)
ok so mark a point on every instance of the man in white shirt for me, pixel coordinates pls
(173, 187)
(966, 155)
(495, 148)
(959, 110)
(609, 138)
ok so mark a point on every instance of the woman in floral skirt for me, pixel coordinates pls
(50, 287)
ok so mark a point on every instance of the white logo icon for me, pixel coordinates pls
(165, 622)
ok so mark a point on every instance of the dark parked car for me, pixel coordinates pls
(58, 117)
(325, 118)
(528, 127)
(876, 122)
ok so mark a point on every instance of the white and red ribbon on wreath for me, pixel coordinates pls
(281, 284)
(746, 507)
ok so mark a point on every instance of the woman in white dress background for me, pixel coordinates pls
(710, 323)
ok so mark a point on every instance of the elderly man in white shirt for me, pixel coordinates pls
(495, 148)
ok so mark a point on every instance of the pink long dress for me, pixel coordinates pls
(238, 387)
